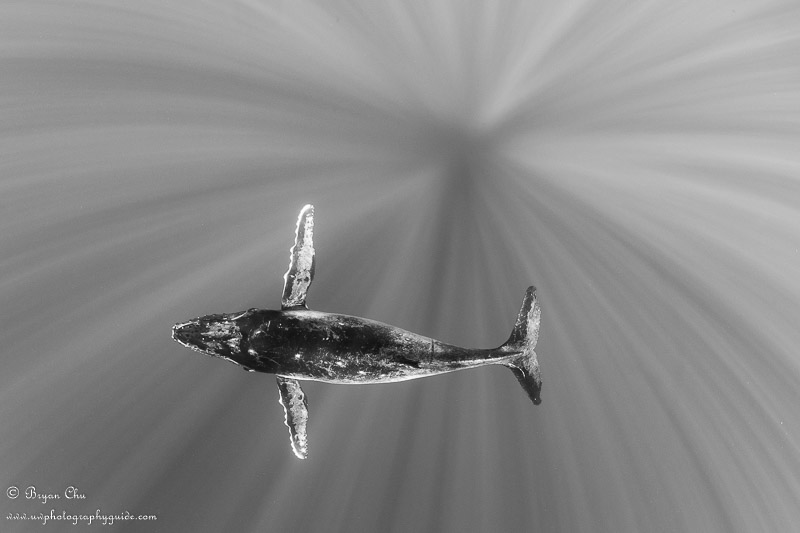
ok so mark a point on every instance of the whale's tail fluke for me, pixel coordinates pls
(525, 364)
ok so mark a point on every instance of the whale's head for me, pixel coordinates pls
(218, 335)
(255, 339)
(225, 335)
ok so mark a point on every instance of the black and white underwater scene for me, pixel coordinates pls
(638, 162)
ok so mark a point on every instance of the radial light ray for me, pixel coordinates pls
(637, 163)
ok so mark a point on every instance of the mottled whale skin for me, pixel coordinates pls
(296, 343)
(334, 348)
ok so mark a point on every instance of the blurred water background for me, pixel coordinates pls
(637, 162)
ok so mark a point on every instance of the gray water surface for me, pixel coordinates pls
(638, 163)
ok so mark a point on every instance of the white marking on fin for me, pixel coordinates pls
(295, 407)
(524, 362)
(301, 261)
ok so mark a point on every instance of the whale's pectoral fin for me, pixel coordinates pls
(301, 262)
(295, 405)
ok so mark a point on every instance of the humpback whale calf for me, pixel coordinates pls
(297, 343)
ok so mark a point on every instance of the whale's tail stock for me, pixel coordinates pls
(525, 364)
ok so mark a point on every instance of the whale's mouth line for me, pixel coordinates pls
(186, 344)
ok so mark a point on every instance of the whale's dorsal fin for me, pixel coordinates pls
(301, 262)
(295, 405)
